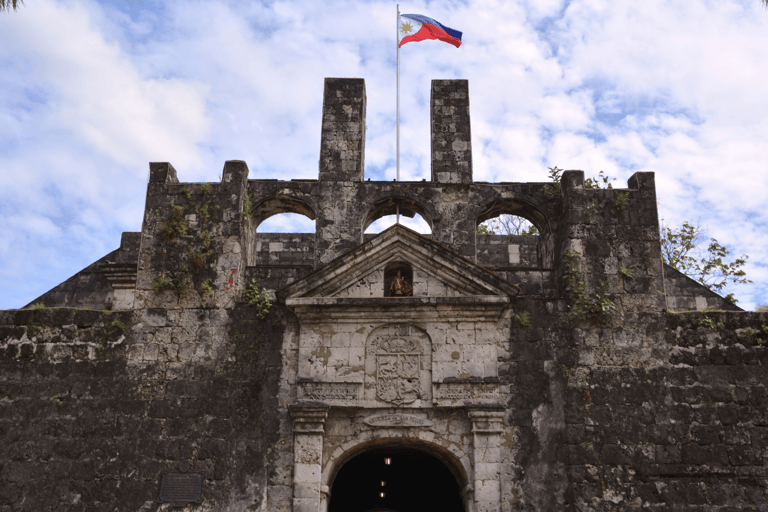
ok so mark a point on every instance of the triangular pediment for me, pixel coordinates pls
(449, 275)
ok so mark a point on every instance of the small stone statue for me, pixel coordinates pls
(400, 287)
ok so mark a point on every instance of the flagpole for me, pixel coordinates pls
(397, 42)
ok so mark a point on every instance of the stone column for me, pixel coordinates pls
(325, 498)
(451, 137)
(342, 140)
(487, 428)
(452, 165)
(342, 160)
(308, 434)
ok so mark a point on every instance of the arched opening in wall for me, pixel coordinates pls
(398, 279)
(513, 234)
(507, 224)
(299, 216)
(383, 214)
(287, 223)
(281, 232)
(395, 478)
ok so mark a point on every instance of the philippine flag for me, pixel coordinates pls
(416, 27)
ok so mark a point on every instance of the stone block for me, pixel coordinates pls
(306, 505)
(306, 473)
(306, 490)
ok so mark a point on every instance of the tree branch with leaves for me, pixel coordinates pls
(683, 248)
(7, 5)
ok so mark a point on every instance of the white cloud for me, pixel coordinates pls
(91, 92)
(417, 223)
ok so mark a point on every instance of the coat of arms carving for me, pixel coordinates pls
(398, 364)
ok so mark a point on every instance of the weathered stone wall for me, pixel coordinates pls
(685, 294)
(612, 237)
(108, 282)
(507, 251)
(682, 428)
(544, 371)
(95, 405)
(284, 249)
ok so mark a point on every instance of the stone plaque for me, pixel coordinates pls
(465, 391)
(397, 371)
(180, 488)
(329, 391)
(397, 420)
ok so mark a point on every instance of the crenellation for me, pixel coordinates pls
(451, 138)
(342, 146)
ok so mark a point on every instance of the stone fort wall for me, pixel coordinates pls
(652, 406)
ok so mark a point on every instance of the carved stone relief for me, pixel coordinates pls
(397, 371)
(398, 365)
(329, 391)
(397, 420)
(458, 393)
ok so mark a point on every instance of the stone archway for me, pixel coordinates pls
(395, 477)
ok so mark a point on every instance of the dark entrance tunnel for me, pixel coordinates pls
(412, 481)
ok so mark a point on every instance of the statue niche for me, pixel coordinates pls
(398, 280)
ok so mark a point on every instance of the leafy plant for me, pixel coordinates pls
(595, 183)
(38, 305)
(193, 255)
(552, 189)
(205, 189)
(117, 324)
(681, 249)
(204, 214)
(627, 272)
(178, 283)
(197, 259)
(749, 331)
(205, 238)
(483, 229)
(507, 225)
(709, 323)
(256, 296)
(163, 284)
(247, 204)
(622, 200)
(583, 306)
(207, 288)
(524, 319)
(174, 226)
(186, 193)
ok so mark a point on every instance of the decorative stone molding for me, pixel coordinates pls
(456, 394)
(487, 423)
(398, 364)
(308, 419)
(487, 420)
(397, 420)
(333, 393)
(308, 430)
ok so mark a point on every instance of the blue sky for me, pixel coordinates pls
(91, 92)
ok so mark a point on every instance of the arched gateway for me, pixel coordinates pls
(399, 477)
(411, 378)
